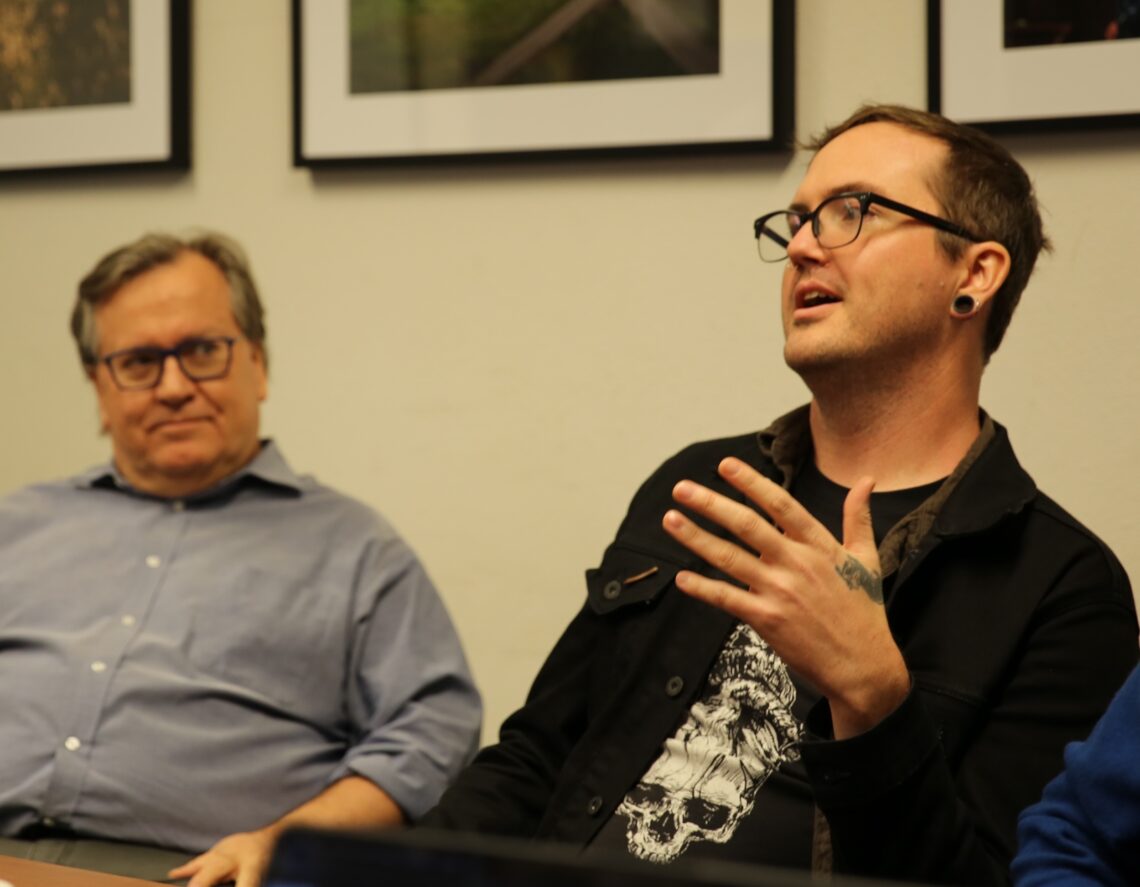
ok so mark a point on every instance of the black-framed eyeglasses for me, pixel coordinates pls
(200, 359)
(836, 222)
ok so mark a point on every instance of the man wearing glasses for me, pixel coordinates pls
(199, 647)
(776, 664)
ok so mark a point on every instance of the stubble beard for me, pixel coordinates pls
(858, 367)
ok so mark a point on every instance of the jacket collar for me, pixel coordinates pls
(986, 485)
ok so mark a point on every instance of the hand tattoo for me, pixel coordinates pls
(857, 576)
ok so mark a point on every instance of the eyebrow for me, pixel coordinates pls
(197, 337)
(838, 189)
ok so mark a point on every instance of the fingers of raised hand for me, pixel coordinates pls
(734, 601)
(776, 502)
(722, 554)
(740, 520)
(858, 530)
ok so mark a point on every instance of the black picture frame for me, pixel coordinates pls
(151, 131)
(974, 78)
(333, 129)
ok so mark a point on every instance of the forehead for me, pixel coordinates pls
(184, 297)
(884, 157)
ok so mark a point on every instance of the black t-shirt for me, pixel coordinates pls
(729, 783)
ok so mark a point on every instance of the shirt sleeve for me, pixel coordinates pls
(413, 707)
(898, 805)
(1086, 828)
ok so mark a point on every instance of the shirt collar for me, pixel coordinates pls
(268, 469)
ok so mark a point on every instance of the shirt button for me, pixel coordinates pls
(128, 620)
(48, 822)
(72, 743)
(98, 666)
(612, 590)
(153, 561)
(594, 806)
(674, 686)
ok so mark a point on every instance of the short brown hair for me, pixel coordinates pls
(983, 189)
(151, 250)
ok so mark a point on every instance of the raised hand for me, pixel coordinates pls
(817, 602)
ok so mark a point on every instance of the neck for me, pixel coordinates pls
(904, 433)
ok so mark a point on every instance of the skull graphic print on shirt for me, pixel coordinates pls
(737, 734)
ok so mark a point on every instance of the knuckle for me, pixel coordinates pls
(780, 505)
(721, 597)
(781, 586)
(729, 558)
(749, 525)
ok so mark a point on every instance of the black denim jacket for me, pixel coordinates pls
(1017, 625)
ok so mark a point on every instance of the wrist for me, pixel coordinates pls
(870, 704)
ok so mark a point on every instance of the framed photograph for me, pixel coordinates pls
(1035, 64)
(422, 80)
(94, 85)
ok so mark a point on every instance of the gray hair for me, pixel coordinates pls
(127, 262)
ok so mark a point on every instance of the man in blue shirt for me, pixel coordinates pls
(199, 646)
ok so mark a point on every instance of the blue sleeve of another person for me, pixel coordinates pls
(1086, 827)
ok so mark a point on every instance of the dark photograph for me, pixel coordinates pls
(1050, 22)
(399, 45)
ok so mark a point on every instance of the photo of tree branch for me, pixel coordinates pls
(62, 53)
(399, 45)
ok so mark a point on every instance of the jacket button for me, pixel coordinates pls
(612, 590)
(674, 686)
(595, 805)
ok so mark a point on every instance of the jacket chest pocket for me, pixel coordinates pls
(626, 578)
(623, 592)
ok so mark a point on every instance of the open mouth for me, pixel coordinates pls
(815, 298)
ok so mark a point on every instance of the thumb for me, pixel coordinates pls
(858, 532)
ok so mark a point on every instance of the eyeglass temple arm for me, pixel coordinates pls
(761, 229)
(924, 217)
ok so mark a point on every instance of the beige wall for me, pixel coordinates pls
(496, 356)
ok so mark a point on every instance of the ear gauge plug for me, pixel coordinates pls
(964, 305)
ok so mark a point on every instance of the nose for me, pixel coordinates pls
(174, 386)
(804, 247)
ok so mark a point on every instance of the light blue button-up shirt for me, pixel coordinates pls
(173, 671)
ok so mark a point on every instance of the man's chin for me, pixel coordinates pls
(183, 462)
(805, 361)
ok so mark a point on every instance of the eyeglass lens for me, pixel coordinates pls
(836, 222)
(199, 359)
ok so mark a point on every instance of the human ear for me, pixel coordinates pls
(262, 373)
(984, 268)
